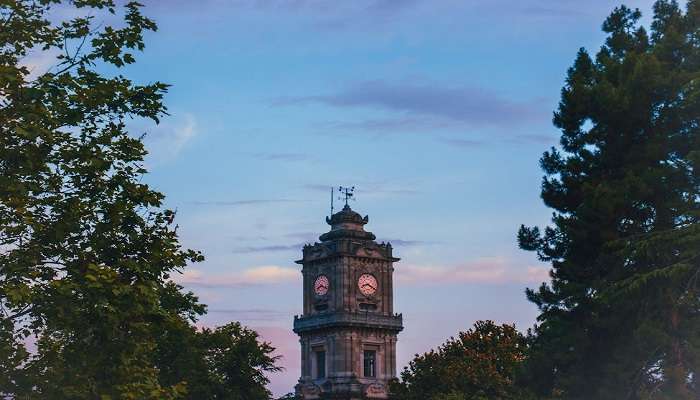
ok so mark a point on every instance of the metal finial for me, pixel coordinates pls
(348, 193)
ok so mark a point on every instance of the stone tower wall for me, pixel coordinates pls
(344, 323)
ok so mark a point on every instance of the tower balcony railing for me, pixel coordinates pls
(348, 319)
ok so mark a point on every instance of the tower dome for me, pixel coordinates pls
(346, 223)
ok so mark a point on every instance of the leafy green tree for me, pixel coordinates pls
(621, 317)
(480, 364)
(289, 396)
(229, 362)
(87, 310)
(86, 250)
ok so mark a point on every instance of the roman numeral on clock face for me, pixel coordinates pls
(321, 285)
(367, 284)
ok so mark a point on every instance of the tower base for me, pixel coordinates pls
(341, 389)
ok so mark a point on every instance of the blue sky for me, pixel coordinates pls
(437, 111)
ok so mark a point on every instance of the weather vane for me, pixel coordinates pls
(348, 192)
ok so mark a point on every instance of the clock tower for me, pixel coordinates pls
(348, 329)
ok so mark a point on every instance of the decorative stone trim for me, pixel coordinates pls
(392, 323)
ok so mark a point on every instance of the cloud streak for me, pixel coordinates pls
(39, 62)
(493, 270)
(463, 143)
(444, 105)
(312, 238)
(405, 243)
(374, 14)
(252, 314)
(251, 202)
(167, 140)
(266, 249)
(264, 275)
(370, 188)
(391, 125)
(288, 157)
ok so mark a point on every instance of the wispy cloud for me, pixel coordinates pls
(252, 314)
(556, 11)
(251, 202)
(372, 188)
(312, 237)
(383, 126)
(265, 249)
(494, 270)
(317, 187)
(166, 140)
(445, 105)
(368, 17)
(308, 236)
(183, 133)
(39, 62)
(534, 138)
(290, 157)
(365, 13)
(517, 139)
(404, 243)
(464, 143)
(264, 275)
(318, 15)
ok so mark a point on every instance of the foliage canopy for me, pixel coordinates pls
(479, 364)
(87, 309)
(621, 317)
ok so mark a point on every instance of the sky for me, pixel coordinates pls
(437, 111)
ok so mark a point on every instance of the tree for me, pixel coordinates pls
(621, 317)
(229, 362)
(289, 396)
(86, 250)
(479, 364)
(87, 309)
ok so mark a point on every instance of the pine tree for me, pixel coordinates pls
(621, 316)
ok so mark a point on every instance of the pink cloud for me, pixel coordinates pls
(487, 270)
(286, 344)
(264, 275)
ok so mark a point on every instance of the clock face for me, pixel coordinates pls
(321, 285)
(367, 284)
